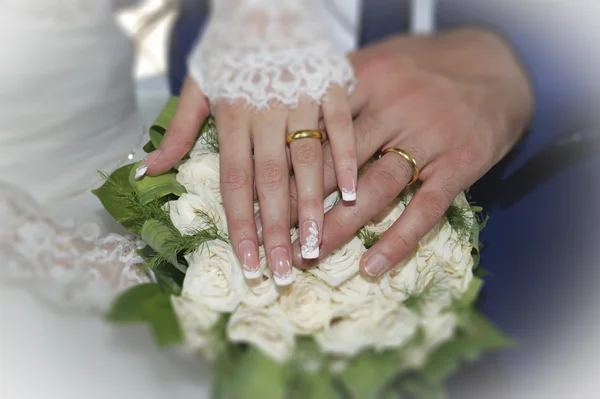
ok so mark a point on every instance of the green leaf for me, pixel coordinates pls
(247, 374)
(148, 303)
(418, 388)
(156, 235)
(470, 297)
(476, 337)
(150, 188)
(116, 195)
(367, 376)
(162, 122)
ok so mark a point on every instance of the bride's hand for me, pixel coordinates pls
(252, 146)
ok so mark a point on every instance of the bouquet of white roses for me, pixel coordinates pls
(331, 333)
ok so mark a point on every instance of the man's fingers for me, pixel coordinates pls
(235, 148)
(377, 188)
(192, 110)
(421, 215)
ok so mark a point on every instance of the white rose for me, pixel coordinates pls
(190, 212)
(266, 328)
(200, 176)
(307, 303)
(395, 325)
(438, 325)
(352, 291)
(196, 322)
(438, 329)
(438, 238)
(350, 330)
(386, 218)
(215, 277)
(400, 282)
(340, 265)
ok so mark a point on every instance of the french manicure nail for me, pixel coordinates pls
(146, 163)
(282, 266)
(310, 240)
(249, 257)
(348, 185)
(375, 264)
(141, 171)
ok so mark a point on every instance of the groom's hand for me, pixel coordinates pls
(457, 102)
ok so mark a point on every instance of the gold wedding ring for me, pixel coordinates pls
(408, 158)
(304, 134)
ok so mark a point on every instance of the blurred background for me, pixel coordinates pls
(542, 241)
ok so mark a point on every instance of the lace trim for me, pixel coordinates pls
(268, 52)
(71, 268)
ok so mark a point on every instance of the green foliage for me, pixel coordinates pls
(477, 225)
(208, 135)
(367, 237)
(475, 337)
(368, 375)
(152, 188)
(243, 372)
(120, 199)
(148, 303)
(460, 220)
(158, 235)
(160, 125)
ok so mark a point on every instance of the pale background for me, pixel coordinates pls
(570, 368)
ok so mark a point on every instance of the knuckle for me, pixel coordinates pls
(311, 206)
(240, 227)
(402, 167)
(184, 139)
(305, 153)
(384, 183)
(405, 241)
(270, 174)
(276, 233)
(234, 178)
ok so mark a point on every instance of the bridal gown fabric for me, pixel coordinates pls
(68, 108)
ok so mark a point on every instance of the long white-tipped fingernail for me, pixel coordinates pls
(146, 163)
(141, 171)
(347, 185)
(281, 264)
(250, 262)
(310, 239)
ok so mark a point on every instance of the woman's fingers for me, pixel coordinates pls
(192, 111)
(307, 162)
(272, 186)
(338, 121)
(233, 129)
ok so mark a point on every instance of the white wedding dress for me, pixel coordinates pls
(69, 108)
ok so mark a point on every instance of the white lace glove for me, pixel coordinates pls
(265, 51)
(267, 69)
